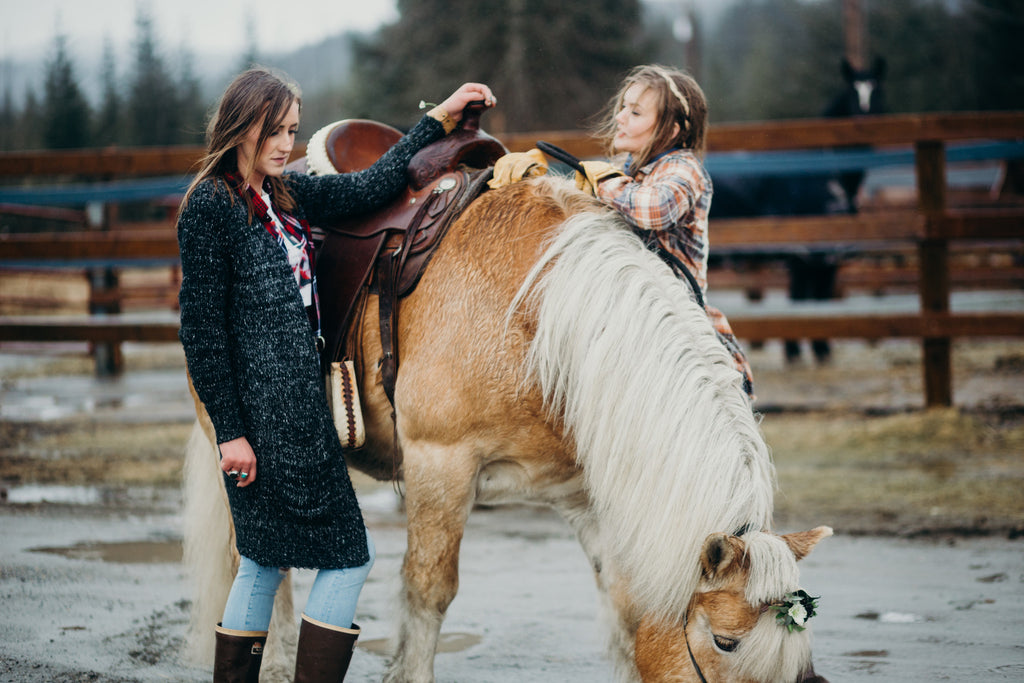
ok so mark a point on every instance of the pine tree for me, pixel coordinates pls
(190, 96)
(251, 55)
(109, 123)
(153, 112)
(997, 28)
(8, 117)
(65, 109)
(29, 129)
(551, 64)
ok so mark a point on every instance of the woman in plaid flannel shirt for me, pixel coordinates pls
(655, 133)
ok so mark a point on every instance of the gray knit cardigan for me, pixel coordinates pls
(253, 361)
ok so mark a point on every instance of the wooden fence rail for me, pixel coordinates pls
(928, 231)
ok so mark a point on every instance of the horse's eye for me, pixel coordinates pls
(726, 644)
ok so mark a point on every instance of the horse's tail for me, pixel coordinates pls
(667, 439)
(211, 562)
(207, 543)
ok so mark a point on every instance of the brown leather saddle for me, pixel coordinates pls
(387, 251)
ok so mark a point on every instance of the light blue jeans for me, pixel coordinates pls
(332, 599)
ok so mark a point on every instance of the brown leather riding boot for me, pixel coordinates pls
(324, 651)
(238, 655)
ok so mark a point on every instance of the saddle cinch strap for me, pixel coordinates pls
(399, 268)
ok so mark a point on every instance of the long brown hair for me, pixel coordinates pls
(680, 100)
(258, 96)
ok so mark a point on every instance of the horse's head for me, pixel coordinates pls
(745, 623)
(863, 92)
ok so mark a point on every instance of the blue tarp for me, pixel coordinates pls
(785, 163)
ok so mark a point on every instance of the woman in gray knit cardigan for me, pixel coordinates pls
(249, 327)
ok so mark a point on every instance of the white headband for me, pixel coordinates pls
(675, 91)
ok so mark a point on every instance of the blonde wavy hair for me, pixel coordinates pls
(680, 100)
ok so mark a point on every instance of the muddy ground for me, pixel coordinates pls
(851, 442)
(925, 578)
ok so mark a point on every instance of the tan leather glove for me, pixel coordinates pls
(595, 172)
(516, 166)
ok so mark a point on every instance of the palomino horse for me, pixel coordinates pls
(548, 357)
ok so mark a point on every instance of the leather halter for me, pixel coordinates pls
(806, 675)
(739, 532)
(693, 660)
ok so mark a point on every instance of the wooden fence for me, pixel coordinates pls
(927, 231)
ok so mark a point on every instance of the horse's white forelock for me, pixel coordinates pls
(663, 430)
(774, 572)
(770, 651)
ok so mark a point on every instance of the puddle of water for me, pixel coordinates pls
(457, 642)
(49, 398)
(74, 495)
(155, 498)
(899, 618)
(448, 642)
(126, 552)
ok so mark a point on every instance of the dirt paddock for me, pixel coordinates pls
(923, 581)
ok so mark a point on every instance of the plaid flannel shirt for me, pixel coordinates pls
(668, 200)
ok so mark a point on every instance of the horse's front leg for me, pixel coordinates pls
(618, 613)
(440, 484)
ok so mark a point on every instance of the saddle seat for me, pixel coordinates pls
(388, 250)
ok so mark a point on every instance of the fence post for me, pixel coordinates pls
(107, 356)
(933, 283)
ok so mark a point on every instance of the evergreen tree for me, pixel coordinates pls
(109, 125)
(65, 110)
(251, 56)
(8, 117)
(190, 94)
(29, 130)
(998, 53)
(773, 59)
(153, 112)
(927, 51)
(551, 64)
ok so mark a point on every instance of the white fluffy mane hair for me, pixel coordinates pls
(670, 447)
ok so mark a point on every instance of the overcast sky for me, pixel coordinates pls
(28, 27)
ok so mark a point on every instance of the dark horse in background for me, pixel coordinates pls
(812, 274)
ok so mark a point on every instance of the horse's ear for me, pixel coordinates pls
(878, 69)
(802, 542)
(718, 555)
(846, 69)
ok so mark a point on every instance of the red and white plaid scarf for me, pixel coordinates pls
(298, 233)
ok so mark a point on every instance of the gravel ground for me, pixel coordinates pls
(924, 580)
(93, 593)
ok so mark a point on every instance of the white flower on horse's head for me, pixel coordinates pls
(793, 611)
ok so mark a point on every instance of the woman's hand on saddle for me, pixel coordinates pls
(467, 92)
(238, 461)
(449, 112)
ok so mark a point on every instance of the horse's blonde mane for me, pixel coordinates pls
(663, 430)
